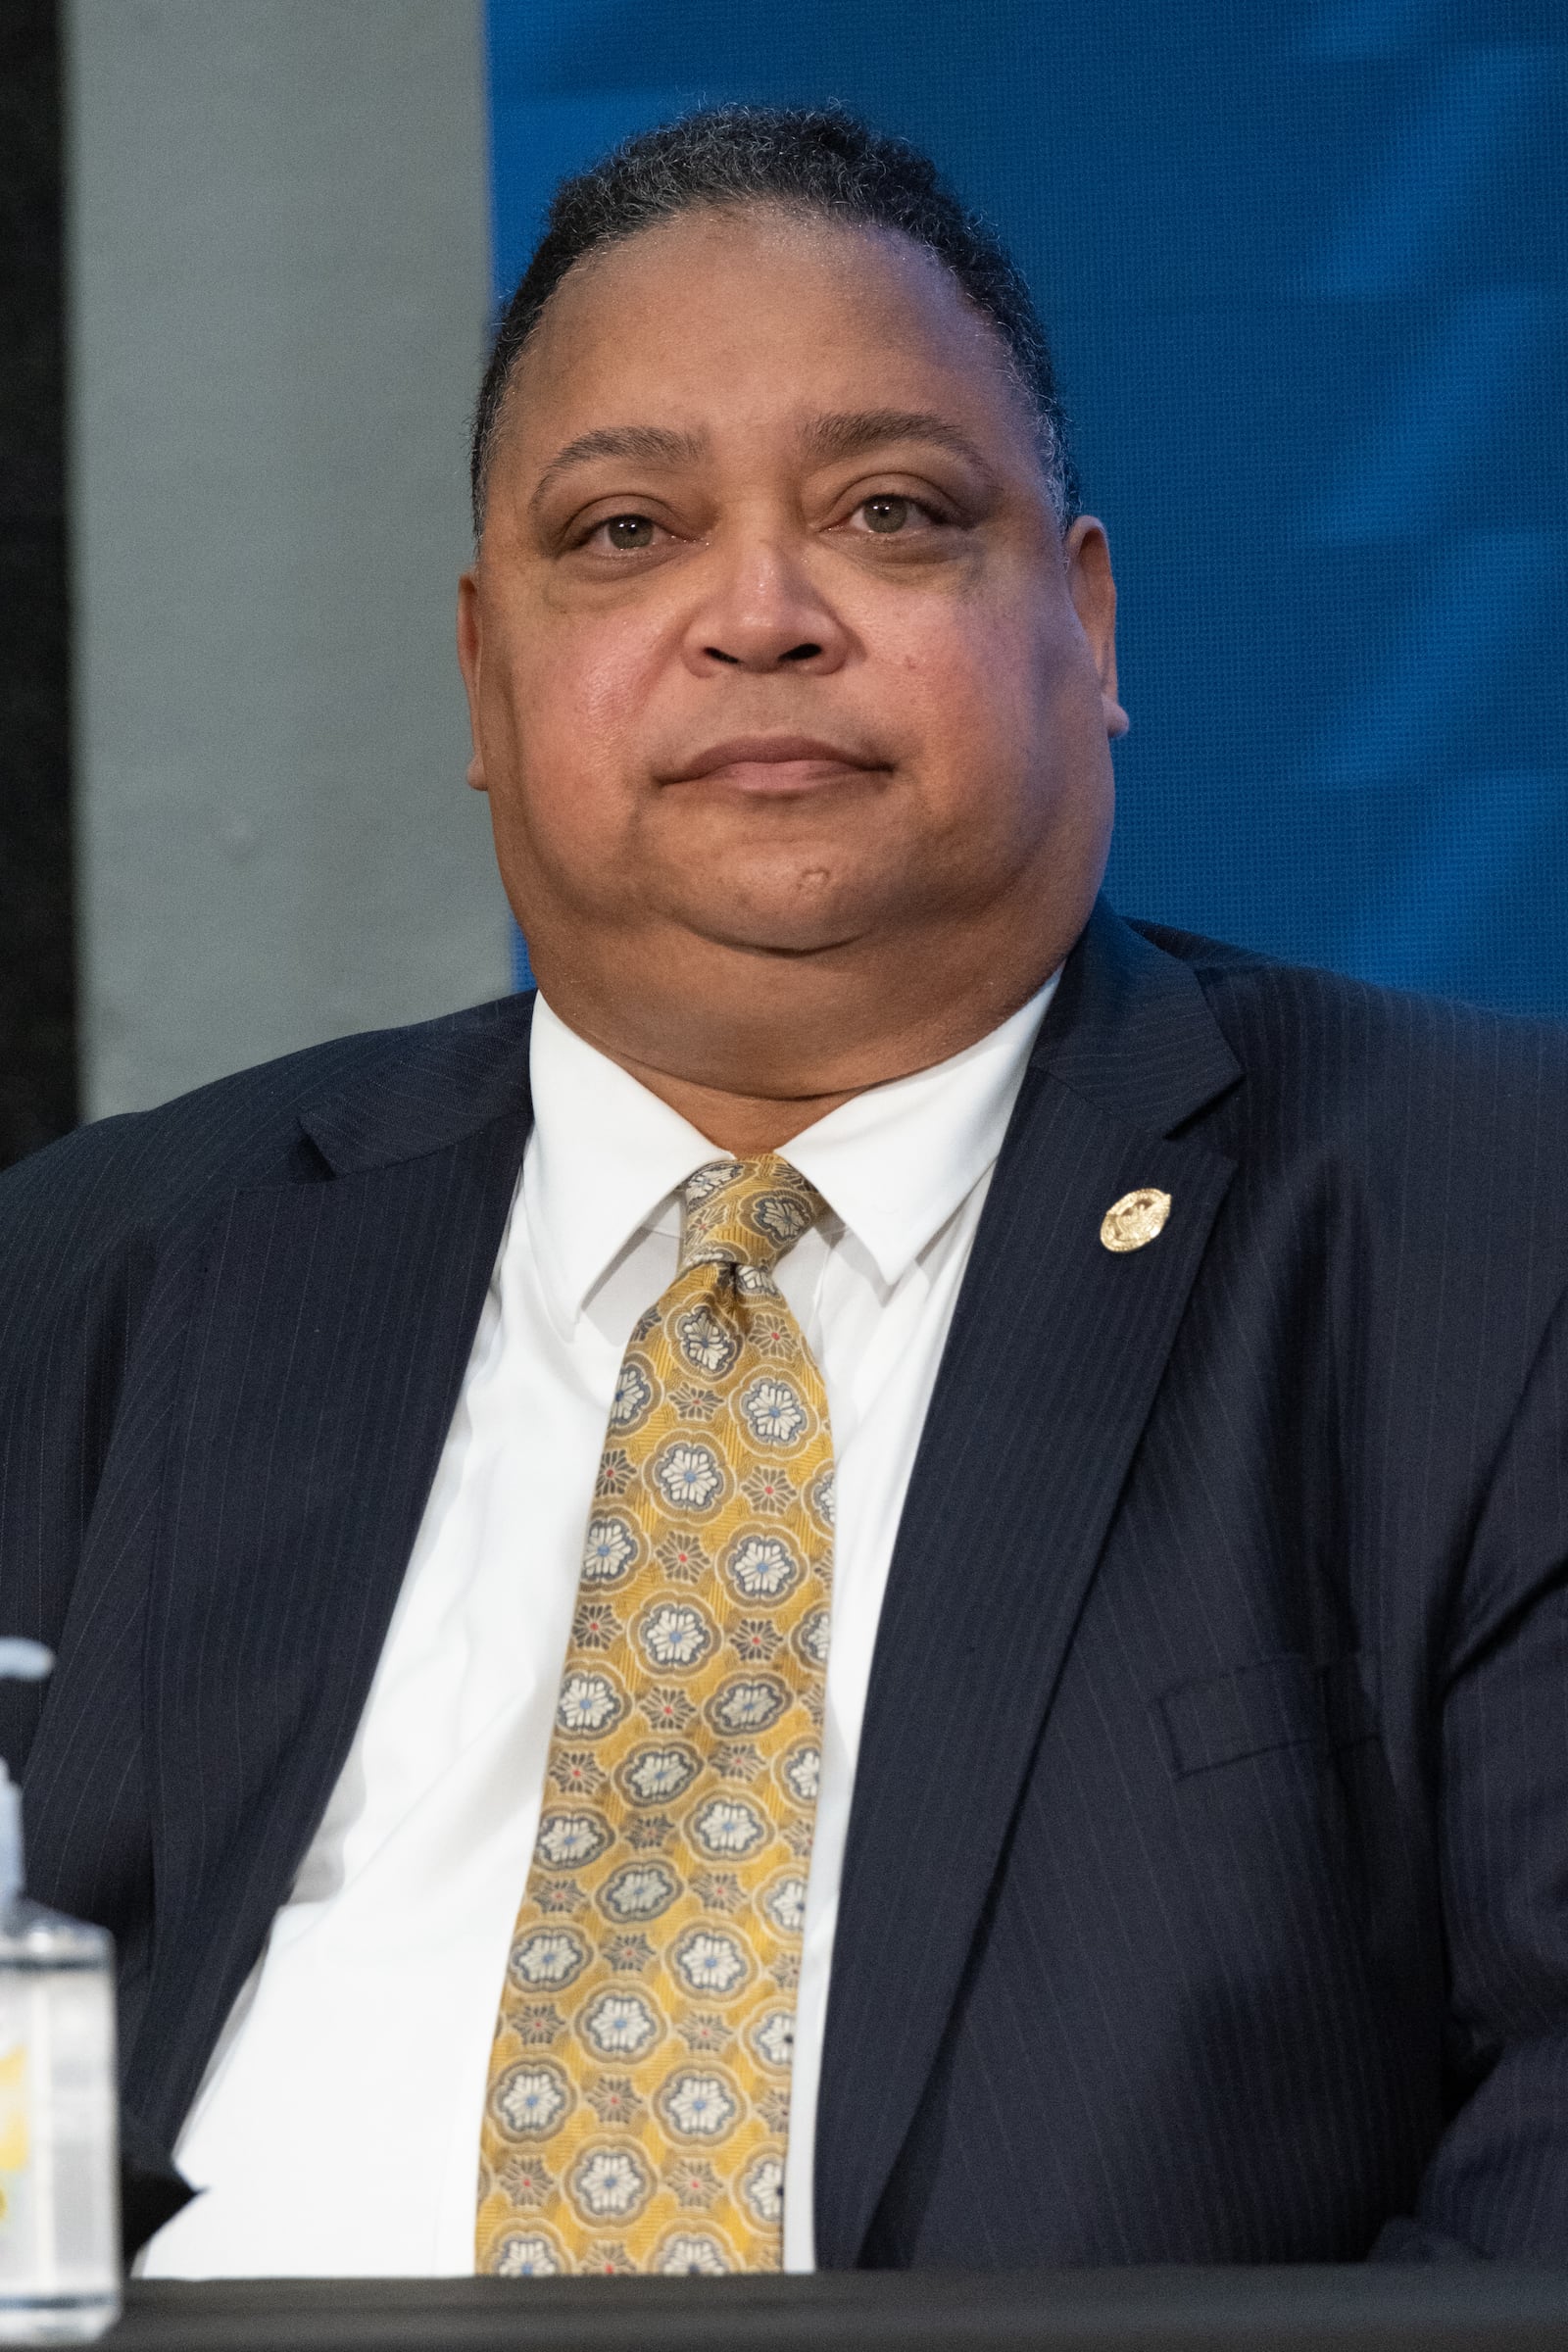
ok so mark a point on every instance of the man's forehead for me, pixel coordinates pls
(713, 306)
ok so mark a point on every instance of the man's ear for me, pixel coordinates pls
(1094, 594)
(469, 638)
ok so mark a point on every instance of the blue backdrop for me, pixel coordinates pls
(1307, 271)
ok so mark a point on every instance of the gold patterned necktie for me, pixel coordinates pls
(637, 2109)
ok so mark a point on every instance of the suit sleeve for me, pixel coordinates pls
(69, 1289)
(76, 1260)
(1498, 2185)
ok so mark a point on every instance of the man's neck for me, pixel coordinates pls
(748, 1123)
(746, 1126)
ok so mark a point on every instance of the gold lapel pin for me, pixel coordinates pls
(1134, 1219)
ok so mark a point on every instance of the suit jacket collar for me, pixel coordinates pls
(1057, 1351)
(1129, 1028)
(1131, 1031)
(428, 1089)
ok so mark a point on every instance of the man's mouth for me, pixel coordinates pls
(775, 764)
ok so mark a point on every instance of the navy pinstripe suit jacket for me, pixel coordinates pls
(1206, 1893)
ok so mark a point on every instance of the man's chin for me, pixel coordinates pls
(787, 934)
(811, 908)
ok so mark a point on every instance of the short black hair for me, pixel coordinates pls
(816, 159)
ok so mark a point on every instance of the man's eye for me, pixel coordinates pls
(625, 533)
(891, 516)
(887, 515)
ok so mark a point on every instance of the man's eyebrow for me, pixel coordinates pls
(850, 432)
(644, 444)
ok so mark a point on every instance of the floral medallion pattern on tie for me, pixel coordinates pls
(637, 2110)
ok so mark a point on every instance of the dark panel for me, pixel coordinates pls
(1478, 2308)
(38, 989)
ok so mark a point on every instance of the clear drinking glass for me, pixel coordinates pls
(59, 2170)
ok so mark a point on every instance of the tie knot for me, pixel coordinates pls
(746, 1213)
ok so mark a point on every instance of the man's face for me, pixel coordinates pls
(773, 648)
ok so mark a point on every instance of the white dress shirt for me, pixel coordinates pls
(337, 2130)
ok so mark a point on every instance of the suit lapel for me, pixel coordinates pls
(1056, 1351)
(321, 1366)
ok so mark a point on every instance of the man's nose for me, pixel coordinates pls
(764, 612)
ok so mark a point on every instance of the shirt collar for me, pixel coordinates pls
(894, 1163)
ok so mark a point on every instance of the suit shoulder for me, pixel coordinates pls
(1320, 1050)
(83, 1195)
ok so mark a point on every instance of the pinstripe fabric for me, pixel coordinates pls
(227, 1360)
(1209, 1903)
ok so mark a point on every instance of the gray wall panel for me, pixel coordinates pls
(279, 251)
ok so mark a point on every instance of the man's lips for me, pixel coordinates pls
(774, 764)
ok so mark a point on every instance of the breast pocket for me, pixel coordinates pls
(1270, 1704)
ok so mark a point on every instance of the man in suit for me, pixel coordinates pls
(1178, 1866)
